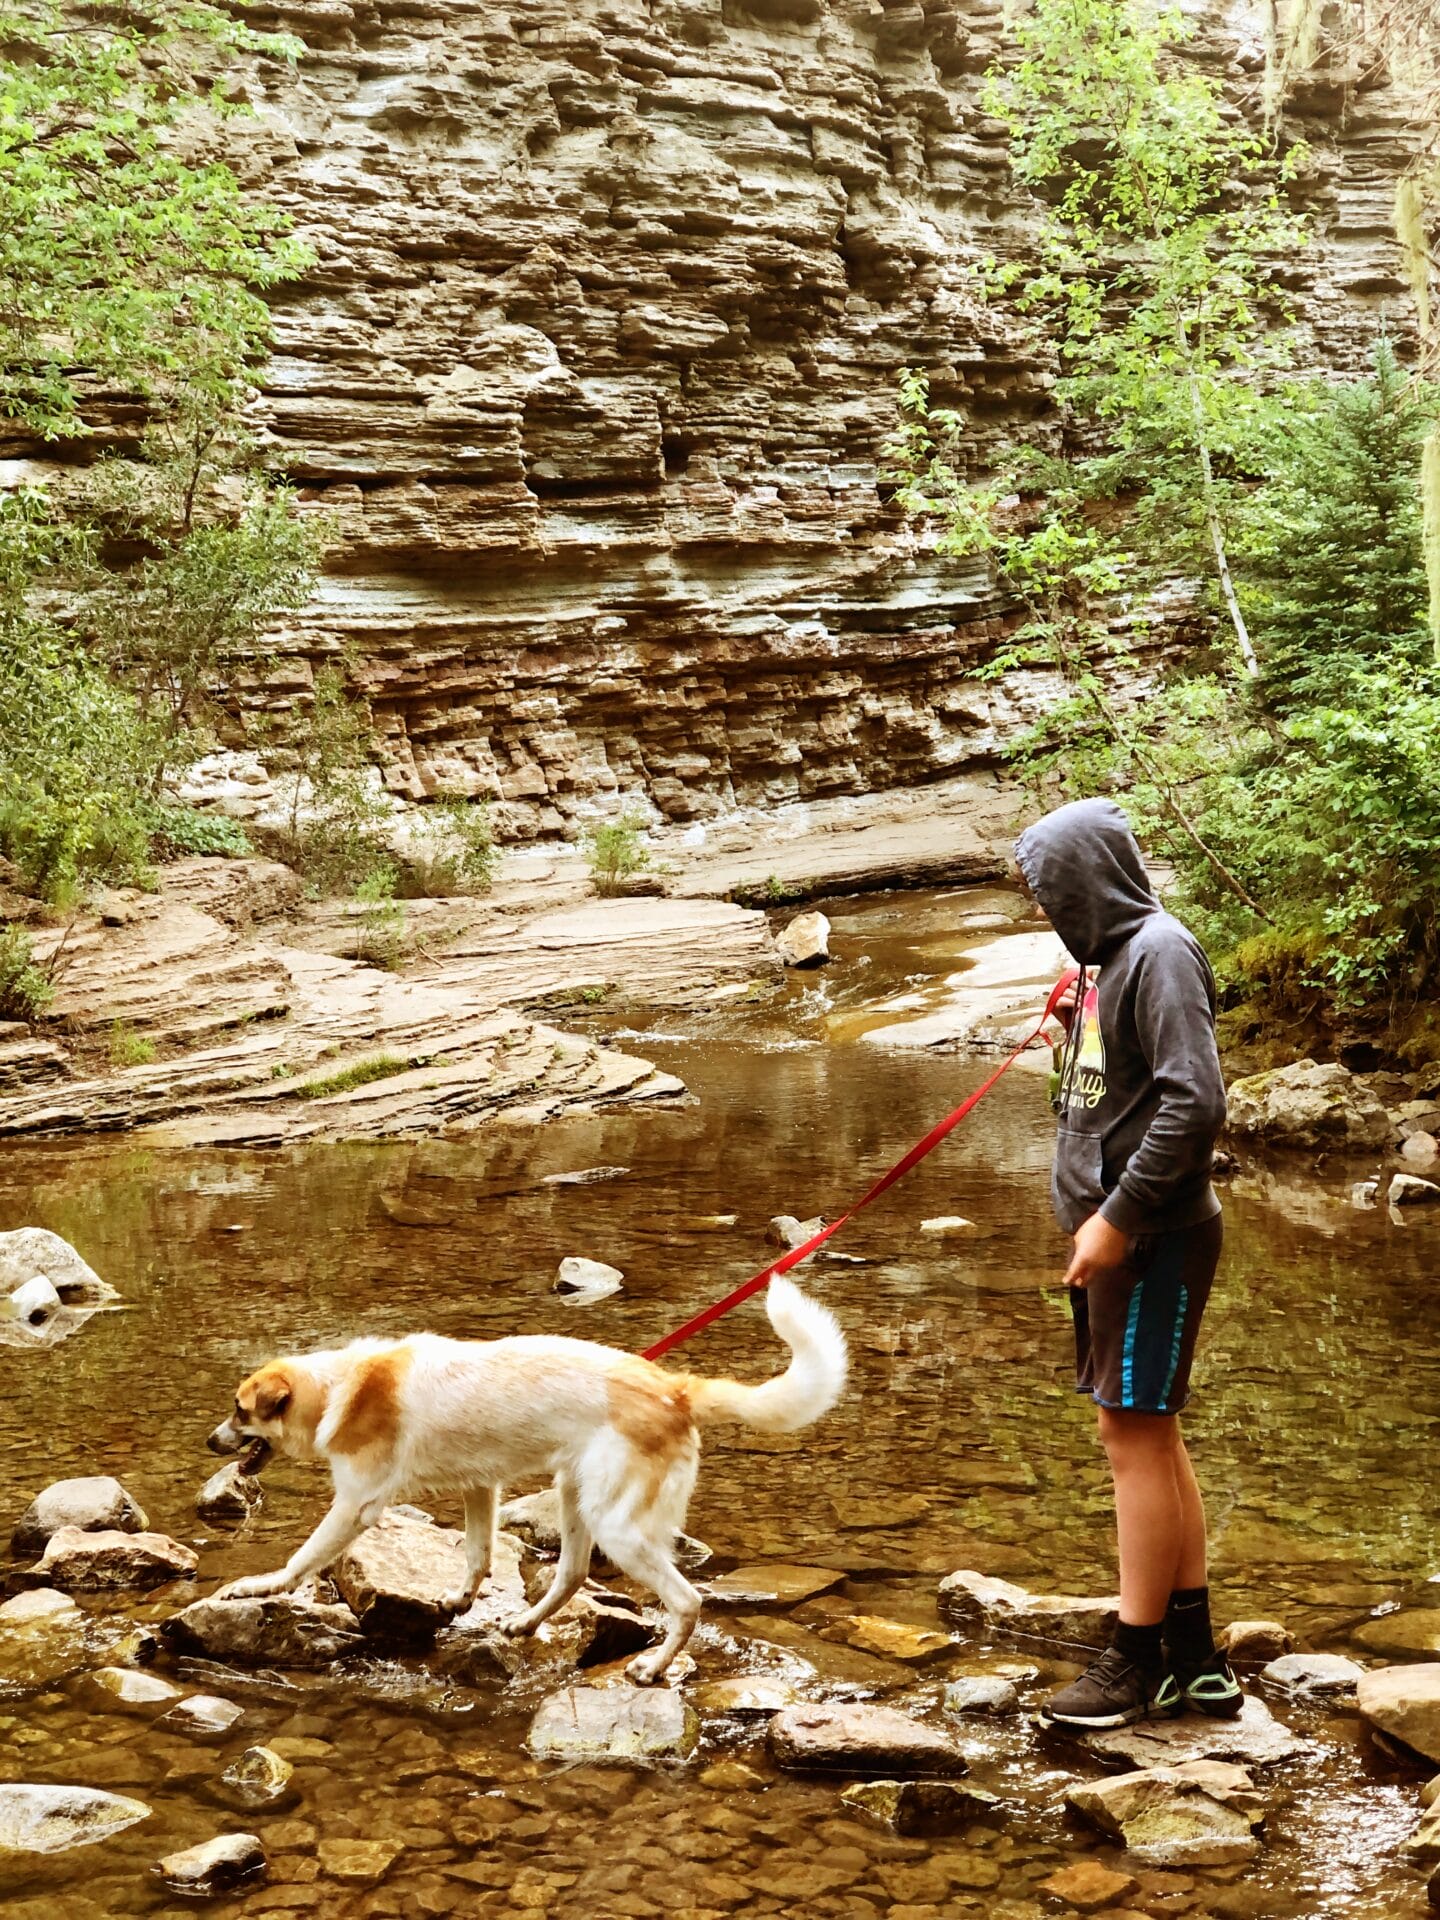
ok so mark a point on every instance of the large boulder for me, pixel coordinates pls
(1199, 1813)
(1404, 1702)
(53, 1819)
(81, 1562)
(397, 1577)
(606, 1724)
(95, 1504)
(33, 1250)
(977, 1600)
(1310, 1105)
(862, 1739)
(275, 1630)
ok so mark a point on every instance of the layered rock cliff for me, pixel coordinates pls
(600, 351)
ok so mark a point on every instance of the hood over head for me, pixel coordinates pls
(1083, 865)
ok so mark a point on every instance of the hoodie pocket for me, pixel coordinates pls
(1079, 1176)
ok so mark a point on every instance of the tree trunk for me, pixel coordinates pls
(1217, 536)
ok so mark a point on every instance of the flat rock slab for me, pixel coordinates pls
(1404, 1702)
(912, 1807)
(1411, 1634)
(862, 1739)
(217, 1866)
(1327, 1676)
(96, 1503)
(1199, 1813)
(890, 1639)
(775, 1585)
(614, 1723)
(1254, 1737)
(358, 1862)
(748, 1693)
(53, 1819)
(977, 1599)
(396, 1575)
(1088, 1885)
(278, 1630)
(82, 1562)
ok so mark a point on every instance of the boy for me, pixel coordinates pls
(1141, 1101)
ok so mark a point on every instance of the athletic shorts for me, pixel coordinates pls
(1136, 1326)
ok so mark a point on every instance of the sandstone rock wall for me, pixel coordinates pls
(600, 351)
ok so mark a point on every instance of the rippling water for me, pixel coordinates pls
(1316, 1400)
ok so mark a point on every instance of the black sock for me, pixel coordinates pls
(1141, 1646)
(1188, 1633)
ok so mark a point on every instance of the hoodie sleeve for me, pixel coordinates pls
(1175, 1024)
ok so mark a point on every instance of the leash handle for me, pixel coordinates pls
(719, 1308)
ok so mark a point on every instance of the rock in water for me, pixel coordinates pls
(806, 941)
(591, 1279)
(1408, 1190)
(33, 1250)
(786, 1231)
(216, 1867)
(1404, 1702)
(259, 1778)
(974, 1599)
(1328, 1676)
(1087, 1886)
(1308, 1105)
(52, 1819)
(912, 1807)
(104, 1562)
(202, 1716)
(890, 1639)
(95, 1504)
(982, 1694)
(35, 1304)
(774, 1585)
(1255, 1640)
(122, 1690)
(229, 1496)
(1411, 1634)
(1199, 1813)
(1424, 1843)
(1254, 1738)
(614, 1723)
(584, 1177)
(395, 1577)
(277, 1630)
(42, 1640)
(863, 1740)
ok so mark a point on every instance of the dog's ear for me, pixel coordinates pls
(272, 1394)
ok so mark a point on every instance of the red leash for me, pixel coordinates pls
(912, 1159)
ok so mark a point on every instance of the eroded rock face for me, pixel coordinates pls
(1308, 1105)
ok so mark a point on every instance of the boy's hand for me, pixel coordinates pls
(1065, 1008)
(1099, 1248)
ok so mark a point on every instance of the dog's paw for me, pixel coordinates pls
(646, 1668)
(457, 1600)
(517, 1626)
(254, 1587)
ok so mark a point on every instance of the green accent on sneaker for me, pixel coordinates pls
(1169, 1699)
(1213, 1691)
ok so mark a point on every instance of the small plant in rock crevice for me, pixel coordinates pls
(613, 852)
(128, 1048)
(26, 989)
(381, 939)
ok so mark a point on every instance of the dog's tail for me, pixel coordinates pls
(809, 1386)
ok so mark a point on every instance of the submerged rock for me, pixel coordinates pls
(1087, 1885)
(912, 1807)
(217, 1866)
(746, 1693)
(202, 1716)
(278, 1629)
(358, 1862)
(614, 1723)
(1308, 1105)
(805, 942)
(590, 1278)
(1197, 1813)
(733, 1776)
(259, 1778)
(975, 1599)
(1404, 1702)
(229, 1496)
(123, 1690)
(95, 1504)
(774, 1585)
(1254, 1738)
(400, 1577)
(862, 1739)
(890, 1639)
(584, 1177)
(53, 1819)
(34, 1250)
(42, 1640)
(83, 1562)
(1315, 1675)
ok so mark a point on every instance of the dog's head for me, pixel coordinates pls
(258, 1426)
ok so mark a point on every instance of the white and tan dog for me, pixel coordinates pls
(617, 1434)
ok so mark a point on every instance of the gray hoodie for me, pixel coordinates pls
(1141, 1095)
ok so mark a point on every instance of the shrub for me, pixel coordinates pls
(25, 988)
(381, 939)
(456, 852)
(613, 852)
(175, 831)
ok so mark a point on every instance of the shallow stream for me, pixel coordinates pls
(959, 1444)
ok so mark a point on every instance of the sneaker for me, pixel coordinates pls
(1211, 1689)
(1112, 1692)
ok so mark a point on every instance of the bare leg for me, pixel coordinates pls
(482, 1510)
(342, 1524)
(1191, 1570)
(1150, 1509)
(576, 1547)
